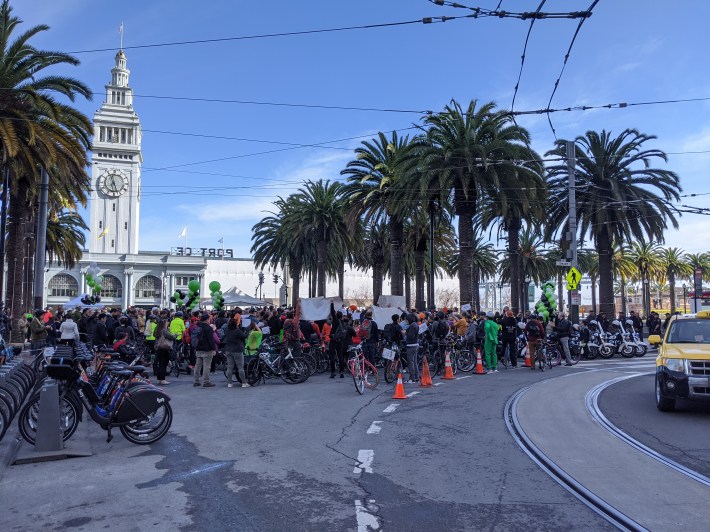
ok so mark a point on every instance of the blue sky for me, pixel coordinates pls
(628, 51)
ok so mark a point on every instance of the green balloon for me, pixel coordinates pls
(98, 288)
(545, 314)
(194, 285)
(89, 277)
(215, 286)
(91, 283)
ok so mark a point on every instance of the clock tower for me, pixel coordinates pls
(116, 169)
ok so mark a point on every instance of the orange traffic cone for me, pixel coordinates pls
(527, 359)
(399, 389)
(426, 376)
(479, 364)
(448, 370)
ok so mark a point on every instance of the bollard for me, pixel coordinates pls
(49, 430)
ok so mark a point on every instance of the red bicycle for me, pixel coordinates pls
(364, 374)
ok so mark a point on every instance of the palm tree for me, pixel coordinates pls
(673, 261)
(65, 238)
(521, 198)
(416, 246)
(620, 196)
(320, 214)
(278, 244)
(589, 264)
(699, 261)
(36, 131)
(485, 264)
(471, 155)
(372, 254)
(379, 168)
(647, 260)
(623, 268)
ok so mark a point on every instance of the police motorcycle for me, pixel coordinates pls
(617, 340)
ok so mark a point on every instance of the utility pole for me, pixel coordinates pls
(41, 243)
(574, 294)
(432, 267)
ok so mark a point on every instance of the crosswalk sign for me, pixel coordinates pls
(574, 276)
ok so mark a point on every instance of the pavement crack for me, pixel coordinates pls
(353, 418)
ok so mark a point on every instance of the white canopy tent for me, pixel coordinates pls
(234, 297)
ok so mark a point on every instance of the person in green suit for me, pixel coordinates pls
(490, 344)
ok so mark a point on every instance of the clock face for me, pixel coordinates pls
(113, 184)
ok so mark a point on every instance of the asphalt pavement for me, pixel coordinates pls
(313, 456)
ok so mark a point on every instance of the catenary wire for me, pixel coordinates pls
(564, 63)
(425, 20)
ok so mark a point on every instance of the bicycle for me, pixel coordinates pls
(364, 373)
(290, 369)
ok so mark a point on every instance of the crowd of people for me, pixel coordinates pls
(159, 330)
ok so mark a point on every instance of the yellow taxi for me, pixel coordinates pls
(683, 362)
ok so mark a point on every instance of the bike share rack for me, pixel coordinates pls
(48, 441)
(16, 381)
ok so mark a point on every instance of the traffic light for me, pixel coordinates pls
(276, 279)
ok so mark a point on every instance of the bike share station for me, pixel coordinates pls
(49, 444)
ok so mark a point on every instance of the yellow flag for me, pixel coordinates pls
(103, 233)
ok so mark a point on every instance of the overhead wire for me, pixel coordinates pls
(424, 20)
(564, 63)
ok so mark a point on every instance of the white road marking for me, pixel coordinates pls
(365, 520)
(391, 408)
(464, 377)
(437, 384)
(374, 428)
(365, 458)
(410, 394)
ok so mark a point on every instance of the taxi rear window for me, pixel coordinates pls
(693, 331)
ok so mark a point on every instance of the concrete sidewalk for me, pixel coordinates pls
(654, 495)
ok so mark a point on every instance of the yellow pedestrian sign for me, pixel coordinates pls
(574, 276)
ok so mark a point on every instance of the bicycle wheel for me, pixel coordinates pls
(358, 377)
(551, 357)
(391, 371)
(294, 371)
(4, 422)
(575, 353)
(10, 393)
(540, 358)
(555, 355)
(372, 377)
(151, 429)
(27, 420)
(254, 371)
(465, 361)
(322, 359)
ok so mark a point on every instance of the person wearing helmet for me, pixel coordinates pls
(535, 334)
(490, 344)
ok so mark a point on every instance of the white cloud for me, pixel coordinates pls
(692, 236)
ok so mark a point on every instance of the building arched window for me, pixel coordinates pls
(148, 287)
(111, 286)
(63, 285)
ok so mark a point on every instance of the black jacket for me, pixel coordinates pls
(509, 327)
(206, 342)
(101, 334)
(234, 340)
(563, 328)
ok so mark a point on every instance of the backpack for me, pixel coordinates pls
(339, 335)
(442, 329)
(365, 330)
(387, 332)
(196, 336)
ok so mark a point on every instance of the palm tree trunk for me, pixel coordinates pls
(320, 274)
(514, 254)
(594, 292)
(341, 279)
(19, 236)
(671, 284)
(407, 292)
(476, 291)
(622, 282)
(465, 212)
(396, 257)
(376, 281)
(560, 293)
(295, 283)
(419, 301)
(606, 278)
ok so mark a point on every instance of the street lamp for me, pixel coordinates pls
(500, 294)
(685, 287)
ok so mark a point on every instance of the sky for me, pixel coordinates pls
(628, 51)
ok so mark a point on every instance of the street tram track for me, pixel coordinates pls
(588, 498)
(592, 403)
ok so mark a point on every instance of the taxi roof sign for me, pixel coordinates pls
(703, 314)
